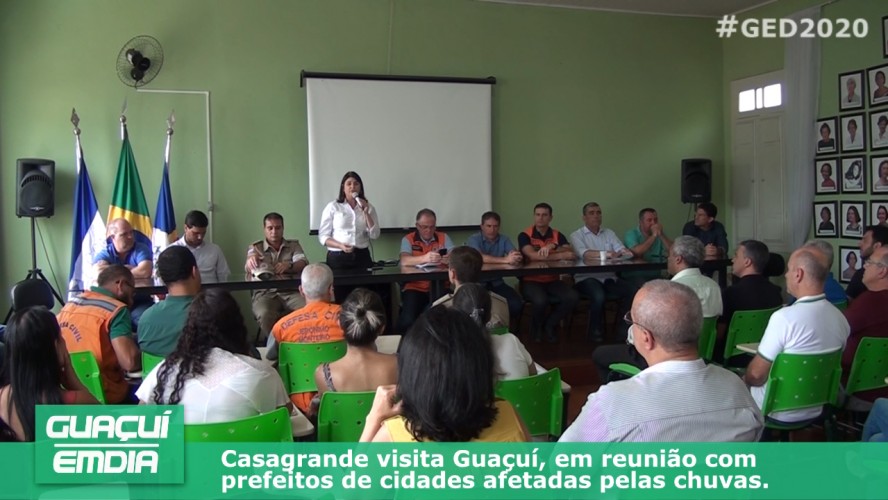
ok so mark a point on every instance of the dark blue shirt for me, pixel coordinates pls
(716, 235)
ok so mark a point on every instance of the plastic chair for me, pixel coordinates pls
(706, 342)
(341, 415)
(31, 292)
(149, 361)
(841, 305)
(271, 427)
(297, 363)
(500, 330)
(538, 399)
(870, 366)
(746, 327)
(87, 369)
(798, 381)
(625, 369)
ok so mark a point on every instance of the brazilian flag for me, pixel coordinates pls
(128, 200)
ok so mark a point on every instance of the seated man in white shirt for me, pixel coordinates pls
(210, 260)
(811, 325)
(588, 242)
(679, 397)
(685, 258)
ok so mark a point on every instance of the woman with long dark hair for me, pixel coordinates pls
(446, 387)
(37, 371)
(347, 226)
(211, 372)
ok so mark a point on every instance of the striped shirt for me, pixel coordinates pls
(675, 401)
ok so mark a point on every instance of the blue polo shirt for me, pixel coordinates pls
(499, 247)
(137, 255)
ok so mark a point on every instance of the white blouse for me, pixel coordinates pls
(347, 225)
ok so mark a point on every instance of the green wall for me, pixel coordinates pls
(588, 105)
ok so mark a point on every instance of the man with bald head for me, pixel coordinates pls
(678, 397)
(824, 251)
(123, 249)
(811, 325)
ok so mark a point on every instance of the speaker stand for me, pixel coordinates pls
(35, 272)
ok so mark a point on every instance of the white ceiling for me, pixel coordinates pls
(685, 8)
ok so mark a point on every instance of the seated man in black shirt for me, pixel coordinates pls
(705, 228)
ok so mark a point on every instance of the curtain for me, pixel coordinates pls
(801, 92)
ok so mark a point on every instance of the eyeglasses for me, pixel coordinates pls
(425, 228)
(871, 262)
(629, 321)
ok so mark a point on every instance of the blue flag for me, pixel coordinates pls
(164, 231)
(89, 229)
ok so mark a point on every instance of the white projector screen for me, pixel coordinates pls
(416, 144)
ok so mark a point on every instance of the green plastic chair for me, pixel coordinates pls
(798, 381)
(706, 342)
(625, 369)
(271, 427)
(341, 415)
(746, 327)
(149, 361)
(870, 366)
(297, 363)
(538, 399)
(87, 369)
(841, 305)
(500, 330)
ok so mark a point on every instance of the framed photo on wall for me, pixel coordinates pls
(852, 224)
(878, 90)
(879, 171)
(825, 173)
(849, 264)
(853, 133)
(825, 219)
(851, 87)
(826, 135)
(878, 129)
(853, 174)
(879, 212)
(885, 37)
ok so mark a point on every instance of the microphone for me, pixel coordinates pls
(358, 201)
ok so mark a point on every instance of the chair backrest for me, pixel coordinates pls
(746, 327)
(341, 415)
(297, 363)
(271, 427)
(776, 265)
(706, 343)
(87, 369)
(870, 366)
(538, 400)
(149, 361)
(31, 292)
(801, 381)
(500, 330)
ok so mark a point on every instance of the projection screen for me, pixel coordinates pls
(416, 142)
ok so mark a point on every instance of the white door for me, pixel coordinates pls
(758, 172)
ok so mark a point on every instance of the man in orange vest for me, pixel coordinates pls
(98, 321)
(317, 322)
(424, 246)
(541, 243)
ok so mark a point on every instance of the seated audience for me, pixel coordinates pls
(684, 261)
(750, 290)
(362, 319)
(873, 237)
(211, 372)
(317, 322)
(465, 267)
(867, 314)
(809, 326)
(512, 359)
(679, 397)
(445, 388)
(875, 430)
(162, 323)
(37, 371)
(98, 321)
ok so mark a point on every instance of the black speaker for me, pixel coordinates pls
(35, 188)
(696, 180)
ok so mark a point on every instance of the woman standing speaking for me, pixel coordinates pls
(347, 226)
